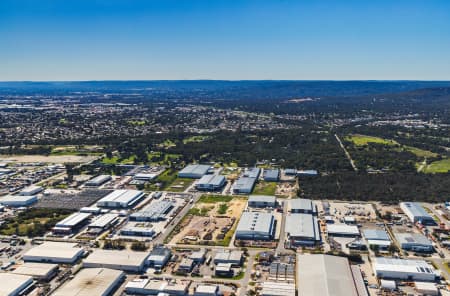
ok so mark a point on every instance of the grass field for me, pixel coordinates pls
(265, 188)
(361, 140)
(440, 166)
(180, 184)
(208, 198)
(420, 152)
(195, 139)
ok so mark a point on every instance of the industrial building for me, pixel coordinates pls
(343, 230)
(145, 176)
(198, 256)
(17, 201)
(226, 256)
(307, 173)
(206, 290)
(157, 287)
(54, 252)
(39, 271)
(262, 201)
(186, 265)
(325, 275)
(277, 289)
(92, 281)
(14, 284)
(244, 185)
(71, 224)
(302, 229)
(271, 175)
(290, 172)
(98, 181)
(31, 190)
(224, 270)
(121, 260)
(252, 173)
(120, 199)
(378, 238)
(194, 171)
(416, 213)
(302, 205)
(403, 269)
(211, 182)
(159, 257)
(103, 222)
(155, 211)
(256, 226)
(414, 242)
(145, 230)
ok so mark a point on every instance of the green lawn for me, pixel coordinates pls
(265, 188)
(420, 152)
(195, 139)
(361, 140)
(214, 198)
(439, 166)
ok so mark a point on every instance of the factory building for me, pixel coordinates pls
(71, 224)
(325, 275)
(302, 205)
(307, 173)
(121, 260)
(256, 226)
(226, 256)
(17, 201)
(157, 287)
(31, 190)
(252, 173)
(155, 211)
(343, 230)
(403, 269)
(39, 271)
(198, 256)
(121, 199)
(206, 290)
(262, 201)
(146, 177)
(244, 185)
(415, 242)
(54, 252)
(102, 223)
(92, 281)
(290, 172)
(277, 289)
(159, 257)
(416, 213)
(194, 171)
(378, 238)
(145, 230)
(98, 181)
(211, 182)
(271, 175)
(15, 284)
(302, 229)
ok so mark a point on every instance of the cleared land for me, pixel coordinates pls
(212, 221)
(440, 166)
(265, 188)
(48, 159)
(361, 140)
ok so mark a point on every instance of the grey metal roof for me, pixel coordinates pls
(244, 183)
(272, 173)
(301, 204)
(412, 238)
(255, 222)
(197, 169)
(416, 209)
(262, 198)
(214, 180)
(302, 225)
(155, 211)
(376, 234)
(252, 173)
(324, 275)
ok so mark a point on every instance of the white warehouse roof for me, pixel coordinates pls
(122, 260)
(403, 269)
(302, 225)
(342, 229)
(13, 284)
(54, 252)
(120, 198)
(90, 282)
(73, 220)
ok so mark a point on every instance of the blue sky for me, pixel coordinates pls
(228, 39)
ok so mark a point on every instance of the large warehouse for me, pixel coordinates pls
(325, 275)
(343, 230)
(120, 260)
(256, 226)
(277, 289)
(194, 171)
(14, 284)
(414, 242)
(416, 213)
(403, 269)
(262, 201)
(244, 185)
(71, 223)
(92, 281)
(155, 211)
(54, 252)
(302, 205)
(98, 181)
(211, 182)
(271, 175)
(39, 271)
(120, 199)
(252, 173)
(377, 237)
(157, 287)
(17, 201)
(302, 229)
(31, 190)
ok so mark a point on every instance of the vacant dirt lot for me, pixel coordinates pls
(47, 159)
